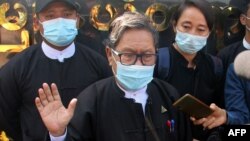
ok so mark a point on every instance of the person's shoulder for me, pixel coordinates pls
(236, 44)
(231, 75)
(97, 88)
(231, 67)
(32, 48)
(20, 61)
(210, 58)
(104, 82)
(28, 51)
(87, 51)
(101, 84)
(166, 87)
(161, 82)
(215, 64)
(25, 54)
(228, 50)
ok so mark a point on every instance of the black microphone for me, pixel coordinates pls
(242, 64)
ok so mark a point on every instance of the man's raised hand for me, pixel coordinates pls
(54, 115)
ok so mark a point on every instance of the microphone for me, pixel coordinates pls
(242, 64)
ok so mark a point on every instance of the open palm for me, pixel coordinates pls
(54, 115)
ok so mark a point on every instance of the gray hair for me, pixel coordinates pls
(129, 20)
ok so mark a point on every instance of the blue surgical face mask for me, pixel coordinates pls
(60, 32)
(189, 43)
(133, 77)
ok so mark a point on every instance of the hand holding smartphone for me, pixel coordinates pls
(193, 106)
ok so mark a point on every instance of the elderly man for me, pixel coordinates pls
(132, 106)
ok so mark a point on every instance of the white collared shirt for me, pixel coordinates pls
(56, 54)
(140, 96)
(246, 44)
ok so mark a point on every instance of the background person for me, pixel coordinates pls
(228, 53)
(237, 89)
(191, 70)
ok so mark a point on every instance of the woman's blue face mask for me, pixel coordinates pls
(189, 43)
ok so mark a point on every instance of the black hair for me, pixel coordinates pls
(202, 5)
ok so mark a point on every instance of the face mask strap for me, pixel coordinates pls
(113, 56)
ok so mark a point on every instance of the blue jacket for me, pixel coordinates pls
(237, 98)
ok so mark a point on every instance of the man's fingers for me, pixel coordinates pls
(47, 92)
(42, 96)
(72, 106)
(39, 104)
(214, 107)
(55, 92)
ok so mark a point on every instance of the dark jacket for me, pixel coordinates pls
(237, 98)
(201, 82)
(228, 54)
(104, 114)
(21, 77)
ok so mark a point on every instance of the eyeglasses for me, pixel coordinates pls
(131, 58)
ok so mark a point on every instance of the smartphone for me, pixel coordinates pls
(193, 106)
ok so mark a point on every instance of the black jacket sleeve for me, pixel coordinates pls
(10, 100)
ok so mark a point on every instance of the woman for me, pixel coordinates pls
(191, 70)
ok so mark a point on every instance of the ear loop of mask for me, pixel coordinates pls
(114, 61)
(40, 27)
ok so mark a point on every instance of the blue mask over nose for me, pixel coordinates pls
(134, 77)
(60, 32)
(189, 43)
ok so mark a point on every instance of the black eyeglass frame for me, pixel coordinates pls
(137, 56)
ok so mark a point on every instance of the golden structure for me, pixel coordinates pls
(16, 25)
(3, 137)
(163, 9)
(129, 7)
(95, 18)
